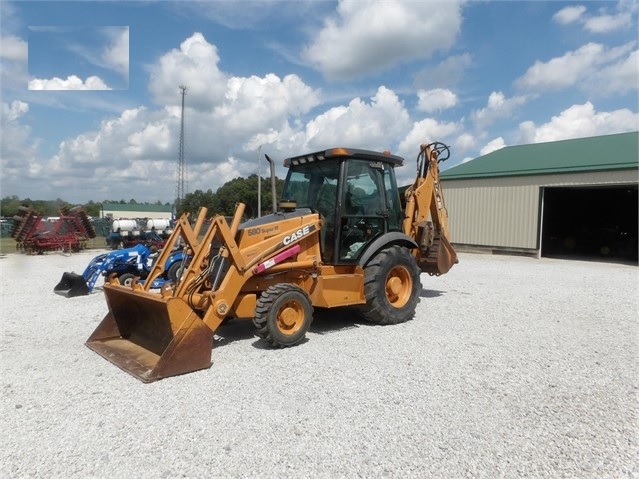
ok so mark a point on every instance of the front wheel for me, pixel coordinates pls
(283, 315)
(126, 279)
(174, 271)
(391, 286)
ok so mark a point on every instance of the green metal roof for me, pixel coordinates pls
(137, 207)
(609, 152)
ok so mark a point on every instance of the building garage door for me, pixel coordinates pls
(590, 222)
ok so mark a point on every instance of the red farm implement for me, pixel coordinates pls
(70, 232)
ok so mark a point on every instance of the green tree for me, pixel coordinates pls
(92, 208)
(192, 202)
(9, 206)
(236, 191)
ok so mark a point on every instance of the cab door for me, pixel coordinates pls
(369, 206)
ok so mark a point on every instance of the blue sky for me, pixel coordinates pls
(91, 101)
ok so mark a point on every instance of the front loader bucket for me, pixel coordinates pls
(150, 336)
(71, 285)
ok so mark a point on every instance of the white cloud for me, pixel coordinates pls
(72, 82)
(112, 54)
(153, 141)
(562, 72)
(608, 23)
(616, 78)
(421, 132)
(12, 112)
(580, 121)
(580, 67)
(13, 61)
(116, 54)
(229, 117)
(140, 145)
(427, 130)
(436, 100)
(368, 36)
(13, 48)
(569, 14)
(194, 64)
(359, 124)
(498, 106)
(215, 175)
(18, 150)
(492, 145)
(448, 72)
(112, 145)
(464, 143)
(252, 102)
(604, 22)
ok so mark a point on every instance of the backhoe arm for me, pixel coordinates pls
(426, 217)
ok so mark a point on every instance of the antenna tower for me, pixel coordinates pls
(181, 166)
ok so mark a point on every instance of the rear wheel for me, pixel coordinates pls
(283, 315)
(391, 285)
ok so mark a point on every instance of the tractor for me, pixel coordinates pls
(127, 265)
(341, 236)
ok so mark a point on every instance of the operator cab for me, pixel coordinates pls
(355, 193)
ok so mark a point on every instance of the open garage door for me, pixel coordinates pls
(590, 222)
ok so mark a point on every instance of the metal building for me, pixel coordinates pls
(563, 198)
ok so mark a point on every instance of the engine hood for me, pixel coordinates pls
(275, 217)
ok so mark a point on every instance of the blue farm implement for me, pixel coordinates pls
(126, 264)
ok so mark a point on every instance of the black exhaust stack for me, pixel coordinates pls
(273, 189)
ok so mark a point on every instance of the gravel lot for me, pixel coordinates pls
(512, 367)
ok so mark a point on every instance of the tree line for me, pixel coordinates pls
(222, 201)
(238, 190)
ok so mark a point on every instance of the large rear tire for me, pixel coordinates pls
(391, 285)
(283, 315)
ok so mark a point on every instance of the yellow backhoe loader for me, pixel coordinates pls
(342, 236)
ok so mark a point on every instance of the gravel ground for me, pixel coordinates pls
(512, 367)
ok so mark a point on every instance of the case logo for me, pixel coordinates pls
(288, 239)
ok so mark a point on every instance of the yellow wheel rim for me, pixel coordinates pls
(290, 317)
(399, 286)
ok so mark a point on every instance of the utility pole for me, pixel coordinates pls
(181, 166)
(259, 182)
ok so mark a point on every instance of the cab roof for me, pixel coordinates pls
(346, 153)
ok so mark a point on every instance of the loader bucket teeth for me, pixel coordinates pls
(151, 337)
(71, 285)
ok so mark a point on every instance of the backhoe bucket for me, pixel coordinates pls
(71, 285)
(440, 259)
(150, 336)
(446, 256)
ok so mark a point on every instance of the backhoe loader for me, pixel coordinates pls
(340, 236)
